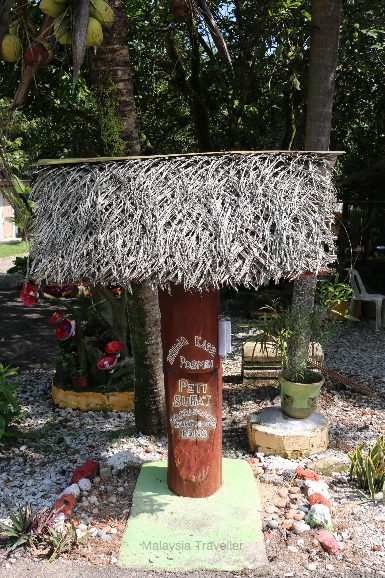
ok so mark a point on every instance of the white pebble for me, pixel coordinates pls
(84, 484)
(72, 489)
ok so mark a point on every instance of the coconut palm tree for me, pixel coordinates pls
(111, 70)
(326, 18)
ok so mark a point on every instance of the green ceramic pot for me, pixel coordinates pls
(299, 400)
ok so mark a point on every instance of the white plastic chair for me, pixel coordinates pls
(360, 294)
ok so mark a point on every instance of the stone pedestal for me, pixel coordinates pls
(271, 432)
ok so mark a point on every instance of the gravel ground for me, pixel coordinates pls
(39, 466)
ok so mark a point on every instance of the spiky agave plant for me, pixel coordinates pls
(37, 531)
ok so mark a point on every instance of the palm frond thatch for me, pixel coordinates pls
(200, 220)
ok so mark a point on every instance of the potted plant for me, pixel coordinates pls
(63, 366)
(300, 384)
(335, 296)
(79, 377)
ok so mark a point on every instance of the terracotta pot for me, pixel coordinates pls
(338, 311)
(299, 400)
(80, 381)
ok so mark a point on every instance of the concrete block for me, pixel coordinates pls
(271, 432)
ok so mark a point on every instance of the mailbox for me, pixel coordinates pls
(224, 337)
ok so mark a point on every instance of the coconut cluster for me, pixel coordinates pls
(39, 53)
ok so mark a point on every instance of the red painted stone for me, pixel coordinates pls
(192, 370)
(65, 504)
(89, 470)
(328, 542)
(253, 461)
(307, 475)
(318, 498)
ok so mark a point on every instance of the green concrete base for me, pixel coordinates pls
(169, 532)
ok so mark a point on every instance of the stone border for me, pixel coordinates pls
(92, 400)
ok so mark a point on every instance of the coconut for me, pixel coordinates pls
(11, 48)
(14, 28)
(62, 31)
(101, 11)
(94, 33)
(37, 54)
(52, 8)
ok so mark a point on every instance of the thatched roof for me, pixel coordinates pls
(200, 220)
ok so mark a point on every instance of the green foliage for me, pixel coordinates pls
(369, 468)
(21, 265)
(65, 361)
(110, 125)
(331, 292)
(13, 126)
(10, 410)
(278, 326)
(37, 531)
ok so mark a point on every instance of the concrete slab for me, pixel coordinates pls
(169, 532)
(271, 432)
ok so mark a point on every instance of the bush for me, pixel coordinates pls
(10, 410)
(369, 468)
(39, 531)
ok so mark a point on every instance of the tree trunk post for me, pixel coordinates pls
(193, 382)
(325, 18)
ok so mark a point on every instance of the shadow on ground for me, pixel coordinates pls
(27, 340)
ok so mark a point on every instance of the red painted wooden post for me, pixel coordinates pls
(193, 381)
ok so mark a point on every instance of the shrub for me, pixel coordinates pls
(37, 530)
(369, 468)
(10, 410)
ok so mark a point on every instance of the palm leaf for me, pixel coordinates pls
(80, 27)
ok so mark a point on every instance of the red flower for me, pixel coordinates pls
(65, 329)
(58, 316)
(106, 363)
(116, 292)
(29, 294)
(114, 347)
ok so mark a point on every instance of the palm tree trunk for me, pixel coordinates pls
(112, 70)
(111, 66)
(326, 19)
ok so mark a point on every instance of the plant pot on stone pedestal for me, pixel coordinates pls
(300, 400)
